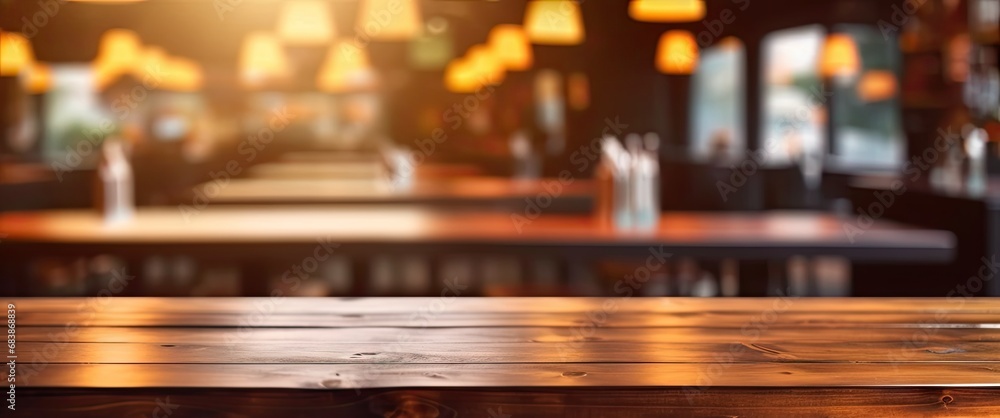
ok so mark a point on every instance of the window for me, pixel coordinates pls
(75, 125)
(868, 129)
(717, 126)
(792, 94)
(345, 121)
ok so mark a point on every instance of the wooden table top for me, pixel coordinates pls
(525, 355)
(760, 235)
(456, 191)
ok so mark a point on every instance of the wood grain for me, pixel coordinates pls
(462, 335)
(315, 357)
(527, 402)
(455, 319)
(547, 305)
(235, 351)
(378, 375)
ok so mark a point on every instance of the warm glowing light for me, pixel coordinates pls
(102, 76)
(346, 68)
(119, 52)
(460, 77)
(305, 22)
(667, 10)
(261, 59)
(877, 85)
(390, 20)
(554, 22)
(37, 78)
(107, 1)
(487, 66)
(677, 53)
(181, 74)
(510, 45)
(730, 43)
(957, 53)
(15, 53)
(840, 56)
(152, 62)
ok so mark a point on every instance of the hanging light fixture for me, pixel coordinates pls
(390, 20)
(667, 10)
(119, 52)
(677, 53)
(460, 77)
(262, 59)
(554, 22)
(305, 22)
(345, 68)
(15, 53)
(488, 68)
(510, 45)
(840, 56)
(877, 85)
(152, 61)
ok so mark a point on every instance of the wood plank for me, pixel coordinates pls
(333, 305)
(917, 337)
(456, 319)
(532, 357)
(524, 403)
(665, 375)
(242, 352)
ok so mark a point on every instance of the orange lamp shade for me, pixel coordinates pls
(677, 53)
(345, 68)
(390, 20)
(511, 46)
(554, 22)
(485, 64)
(840, 56)
(15, 53)
(305, 22)
(666, 10)
(152, 62)
(877, 85)
(262, 59)
(119, 51)
(460, 77)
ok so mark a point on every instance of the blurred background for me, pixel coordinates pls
(190, 108)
